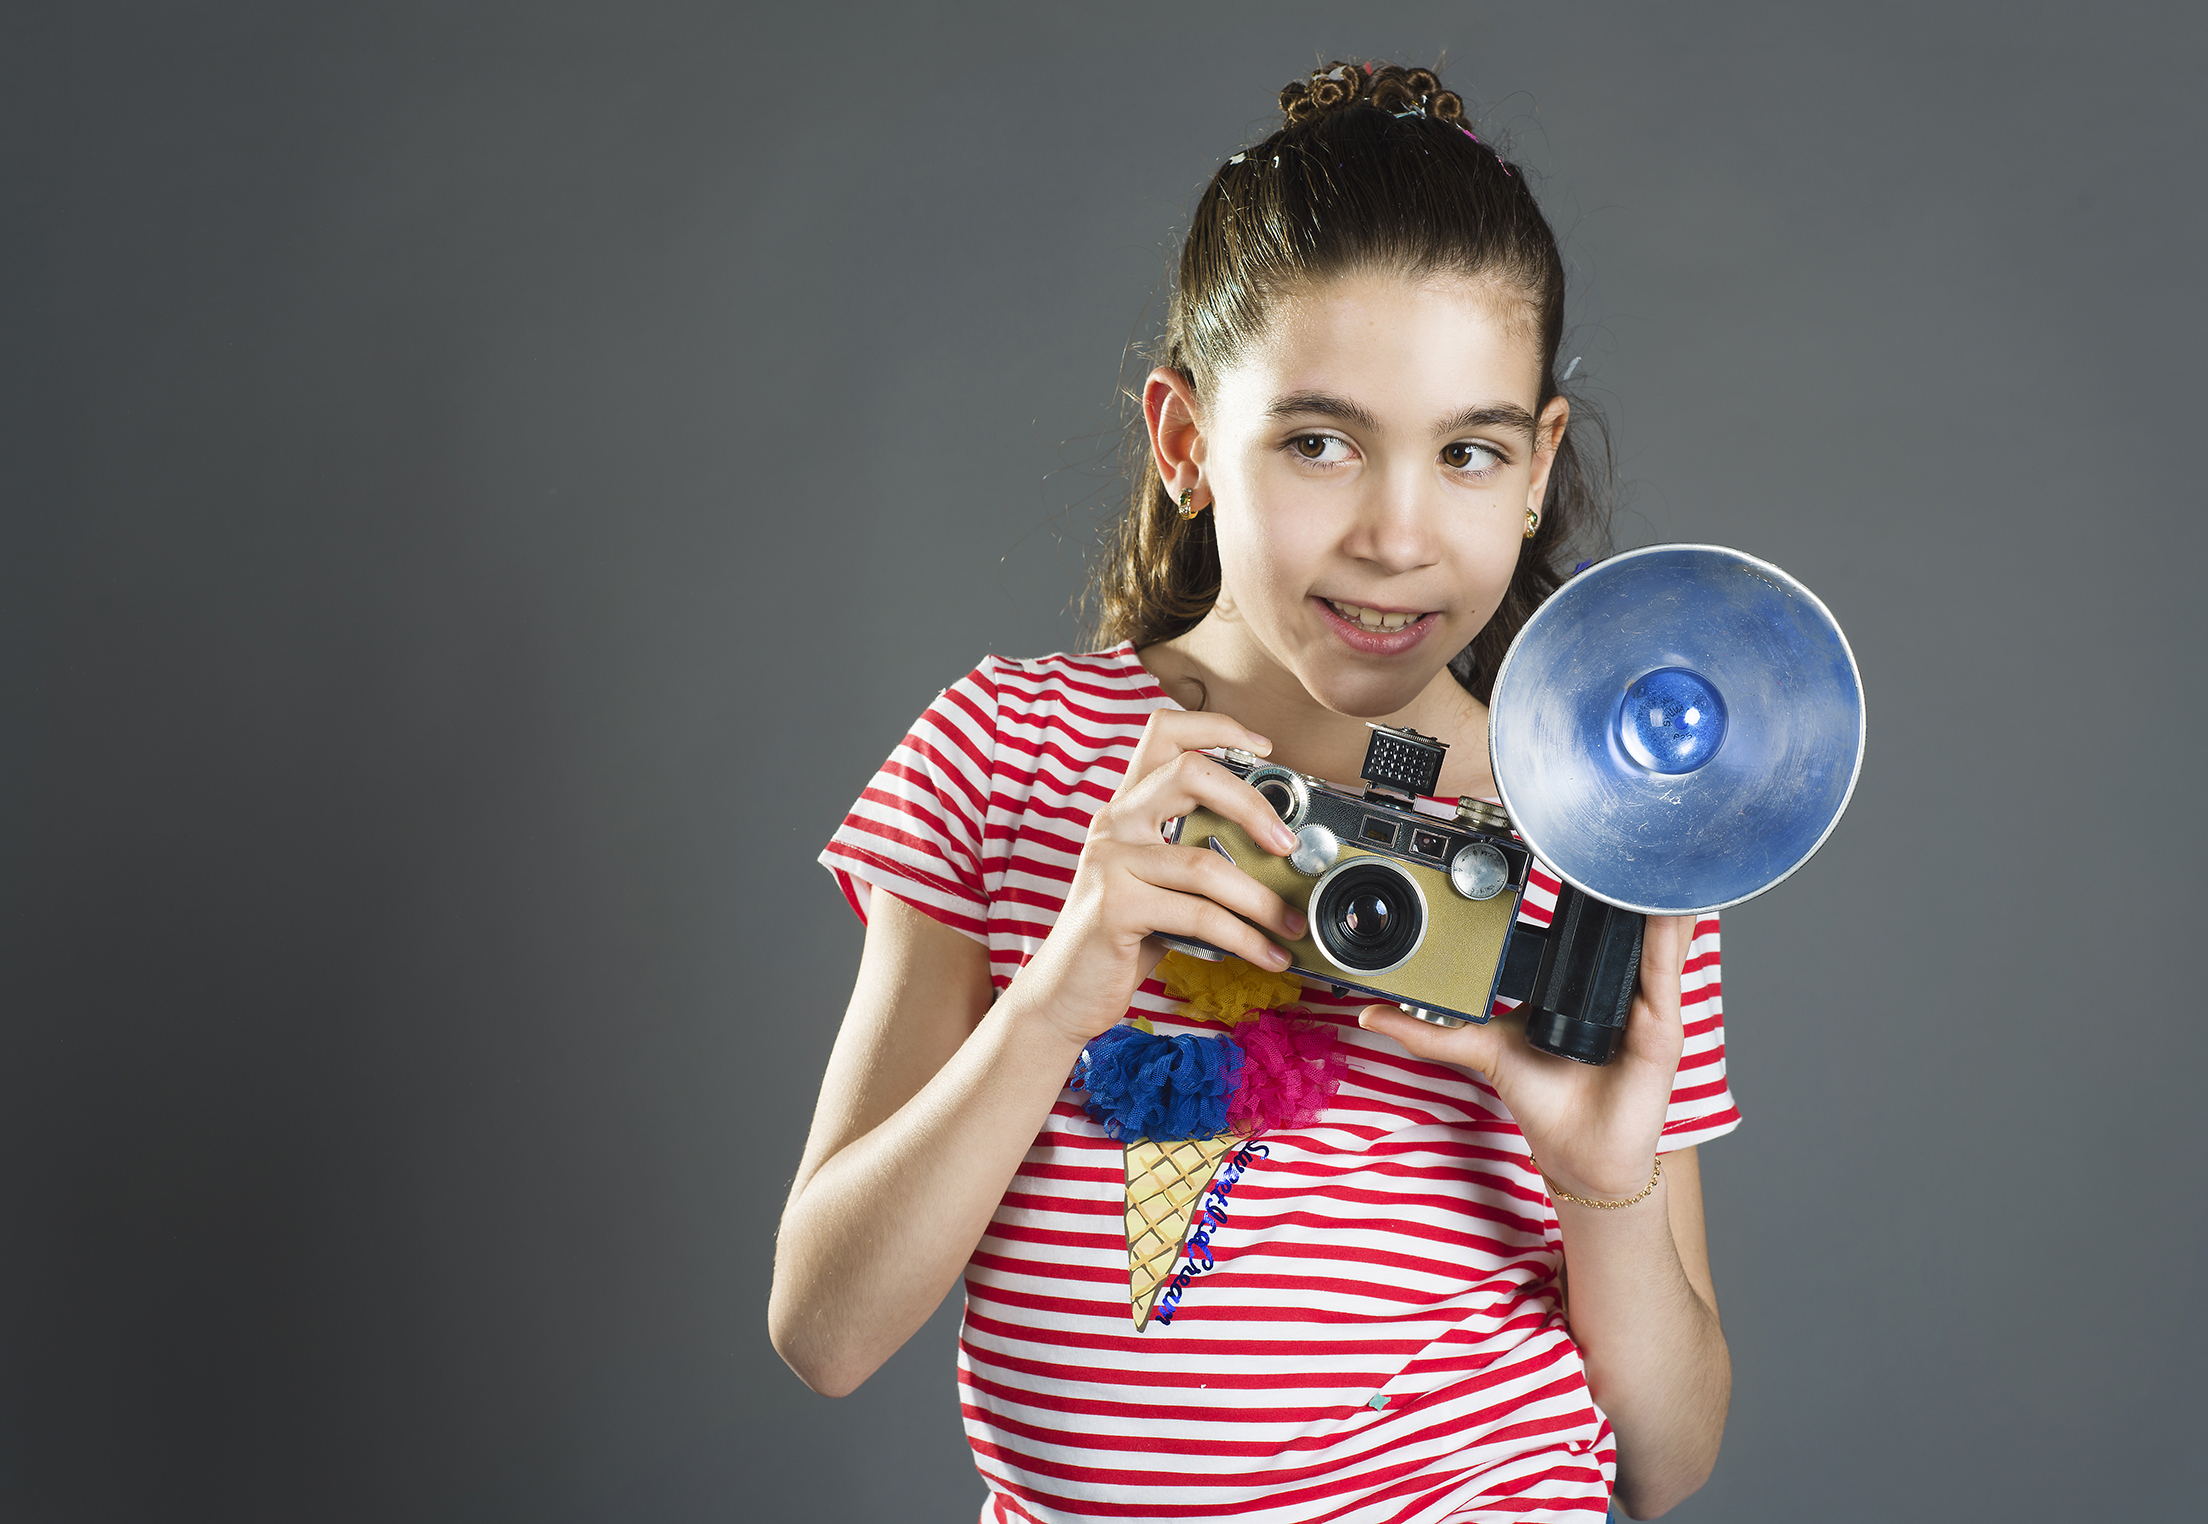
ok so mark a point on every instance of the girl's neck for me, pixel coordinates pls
(1225, 672)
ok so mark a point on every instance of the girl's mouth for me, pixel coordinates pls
(1380, 632)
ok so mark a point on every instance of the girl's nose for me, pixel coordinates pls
(1395, 529)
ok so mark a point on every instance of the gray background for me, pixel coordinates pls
(482, 487)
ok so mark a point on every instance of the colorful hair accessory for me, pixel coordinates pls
(1269, 1074)
(1229, 991)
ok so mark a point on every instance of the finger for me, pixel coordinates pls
(1655, 1031)
(1187, 782)
(1478, 1048)
(1663, 956)
(1689, 925)
(1152, 954)
(1169, 732)
(1193, 916)
(1200, 871)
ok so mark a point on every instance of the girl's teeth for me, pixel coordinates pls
(1373, 619)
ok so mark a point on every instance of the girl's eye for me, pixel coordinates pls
(1464, 455)
(1311, 446)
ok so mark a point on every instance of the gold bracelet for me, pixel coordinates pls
(1562, 1194)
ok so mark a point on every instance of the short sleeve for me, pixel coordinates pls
(1701, 1101)
(917, 829)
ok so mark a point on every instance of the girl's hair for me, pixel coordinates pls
(1373, 168)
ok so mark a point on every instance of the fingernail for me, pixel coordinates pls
(1295, 922)
(1259, 744)
(1284, 840)
(1278, 958)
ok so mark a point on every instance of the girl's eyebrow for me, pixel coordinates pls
(1325, 405)
(1486, 415)
(1490, 415)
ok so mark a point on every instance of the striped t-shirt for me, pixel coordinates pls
(1378, 1332)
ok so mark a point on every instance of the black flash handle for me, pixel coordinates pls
(1575, 980)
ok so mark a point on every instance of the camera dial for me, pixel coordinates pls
(1478, 872)
(1368, 915)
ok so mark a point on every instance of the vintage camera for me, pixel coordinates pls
(1421, 911)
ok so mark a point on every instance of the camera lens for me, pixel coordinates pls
(1365, 918)
(1275, 793)
(1368, 915)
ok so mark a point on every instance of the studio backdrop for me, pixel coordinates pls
(482, 487)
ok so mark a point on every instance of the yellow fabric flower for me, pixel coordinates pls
(1229, 992)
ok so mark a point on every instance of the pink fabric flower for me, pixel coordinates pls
(1290, 1071)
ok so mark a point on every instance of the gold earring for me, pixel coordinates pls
(1188, 509)
(1533, 522)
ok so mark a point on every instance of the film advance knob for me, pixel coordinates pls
(1317, 848)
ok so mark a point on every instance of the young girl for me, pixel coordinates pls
(1361, 473)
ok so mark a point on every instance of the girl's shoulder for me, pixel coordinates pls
(1091, 691)
(1113, 674)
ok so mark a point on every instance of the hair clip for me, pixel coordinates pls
(1560, 380)
(1238, 158)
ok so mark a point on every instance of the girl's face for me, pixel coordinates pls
(1370, 464)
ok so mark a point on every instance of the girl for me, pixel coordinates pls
(1360, 474)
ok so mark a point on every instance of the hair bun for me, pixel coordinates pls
(1386, 87)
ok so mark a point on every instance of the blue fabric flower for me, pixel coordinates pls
(1149, 1085)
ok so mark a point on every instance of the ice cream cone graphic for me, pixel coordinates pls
(1165, 1181)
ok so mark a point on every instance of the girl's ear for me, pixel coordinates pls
(1176, 434)
(1548, 433)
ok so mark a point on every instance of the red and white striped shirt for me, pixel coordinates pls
(1379, 1334)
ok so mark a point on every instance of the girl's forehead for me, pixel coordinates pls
(1413, 339)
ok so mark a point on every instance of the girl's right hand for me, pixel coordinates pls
(1132, 883)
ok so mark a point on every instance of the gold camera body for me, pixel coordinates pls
(1399, 905)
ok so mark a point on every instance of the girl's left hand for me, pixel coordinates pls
(1594, 1129)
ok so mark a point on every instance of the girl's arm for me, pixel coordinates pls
(934, 1094)
(931, 1100)
(1644, 1314)
(1639, 1295)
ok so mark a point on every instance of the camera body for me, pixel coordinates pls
(1421, 911)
